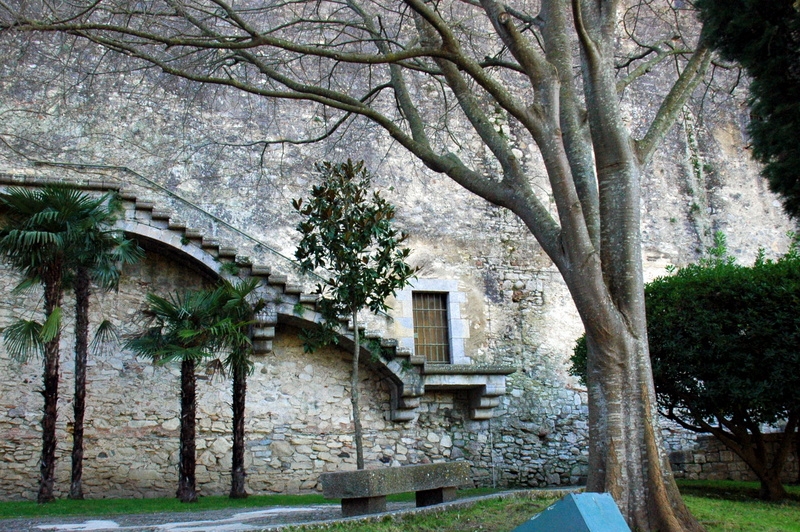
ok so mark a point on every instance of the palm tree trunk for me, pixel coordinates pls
(79, 402)
(187, 489)
(238, 474)
(47, 466)
(354, 396)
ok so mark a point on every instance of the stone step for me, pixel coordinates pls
(127, 195)
(160, 214)
(402, 415)
(277, 279)
(210, 244)
(403, 351)
(260, 269)
(261, 332)
(193, 233)
(144, 205)
(262, 347)
(293, 289)
(228, 252)
(176, 225)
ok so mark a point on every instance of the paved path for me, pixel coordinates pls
(218, 520)
(234, 520)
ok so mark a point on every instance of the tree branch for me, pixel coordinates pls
(673, 103)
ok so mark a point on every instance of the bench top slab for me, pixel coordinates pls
(388, 480)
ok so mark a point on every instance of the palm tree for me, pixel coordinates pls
(97, 257)
(187, 328)
(40, 230)
(239, 365)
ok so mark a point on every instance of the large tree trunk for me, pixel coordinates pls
(187, 489)
(797, 457)
(354, 395)
(750, 446)
(771, 488)
(626, 457)
(82, 295)
(47, 466)
(626, 454)
(239, 392)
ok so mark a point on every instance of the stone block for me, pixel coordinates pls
(435, 496)
(364, 489)
(363, 505)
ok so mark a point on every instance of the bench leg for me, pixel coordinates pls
(363, 505)
(435, 496)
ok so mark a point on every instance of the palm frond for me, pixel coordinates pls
(23, 340)
(27, 285)
(52, 325)
(105, 336)
(147, 343)
(215, 367)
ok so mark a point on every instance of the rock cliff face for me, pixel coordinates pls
(203, 145)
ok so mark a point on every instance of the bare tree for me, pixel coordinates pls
(467, 87)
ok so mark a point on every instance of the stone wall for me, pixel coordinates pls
(709, 459)
(298, 415)
(204, 144)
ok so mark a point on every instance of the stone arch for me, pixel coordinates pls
(174, 246)
(407, 375)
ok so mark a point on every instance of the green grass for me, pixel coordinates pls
(721, 506)
(726, 506)
(100, 507)
(95, 507)
(489, 515)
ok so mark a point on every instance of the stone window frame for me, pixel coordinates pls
(458, 327)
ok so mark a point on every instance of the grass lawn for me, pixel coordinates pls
(721, 506)
(105, 507)
(724, 506)
(490, 515)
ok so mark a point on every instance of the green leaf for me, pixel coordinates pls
(23, 340)
(52, 326)
(105, 336)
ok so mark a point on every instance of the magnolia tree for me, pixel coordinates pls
(437, 77)
(349, 232)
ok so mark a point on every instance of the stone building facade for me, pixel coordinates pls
(507, 404)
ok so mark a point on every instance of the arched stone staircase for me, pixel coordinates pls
(289, 295)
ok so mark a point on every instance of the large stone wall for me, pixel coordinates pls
(298, 420)
(202, 144)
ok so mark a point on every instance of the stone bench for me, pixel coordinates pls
(364, 491)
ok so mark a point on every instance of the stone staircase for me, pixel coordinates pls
(287, 291)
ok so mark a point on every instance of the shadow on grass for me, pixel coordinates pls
(732, 490)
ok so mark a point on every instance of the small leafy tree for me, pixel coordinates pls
(348, 231)
(724, 345)
(186, 328)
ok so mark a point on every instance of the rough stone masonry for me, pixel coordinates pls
(513, 306)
